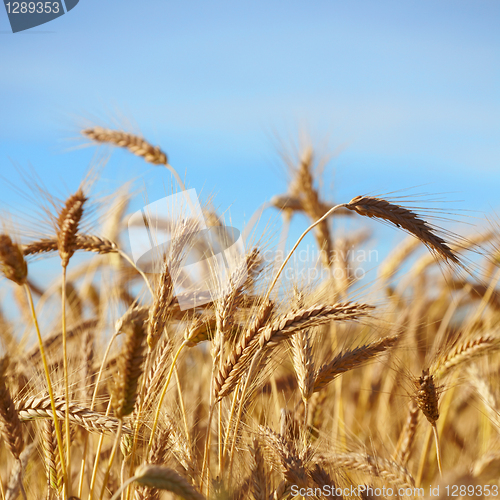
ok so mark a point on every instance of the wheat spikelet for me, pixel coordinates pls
(10, 426)
(85, 242)
(278, 330)
(464, 352)
(67, 225)
(182, 237)
(135, 144)
(288, 461)
(313, 207)
(93, 243)
(155, 375)
(260, 474)
(472, 241)
(427, 397)
(322, 479)
(31, 408)
(52, 464)
(225, 306)
(387, 470)
(259, 321)
(12, 262)
(200, 329)
(403, 218)
(351, 359)
(130, 364)
(163, 478)
(303, 363)
(282, 492)
(40, 246)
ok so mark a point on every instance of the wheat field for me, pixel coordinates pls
(276, 389)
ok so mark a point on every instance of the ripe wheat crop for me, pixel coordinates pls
(273, 389)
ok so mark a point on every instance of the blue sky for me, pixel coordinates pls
(411, 89)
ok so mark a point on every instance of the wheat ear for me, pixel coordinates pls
(351, 359)
(464, 352)
(135, 144)
(278, 330)
(33, 408)
(163, 478)
(130, 370)
(427, 397)
(385, 469)
(403, 218)
(10, 426)
(288, 461)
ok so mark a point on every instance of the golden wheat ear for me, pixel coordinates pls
(67, 225)
(10, 426)
(12, 261)
(134, 143)
(405, 219)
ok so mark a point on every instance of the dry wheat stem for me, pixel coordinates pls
(112, 456)
(98, 455)
(312, 226)
(94, 396)
(49, 383)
